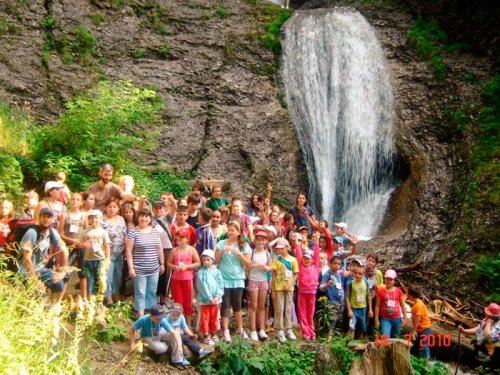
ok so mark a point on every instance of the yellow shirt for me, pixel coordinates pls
(282, 274)
(420, 310)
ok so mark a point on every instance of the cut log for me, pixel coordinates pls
(391, 359)
(409, 267)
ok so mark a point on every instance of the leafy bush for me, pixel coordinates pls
(269, 358)
(164, 51)
(84, 43)
(344, 355)
(118, 319)
(101, 126)
(271, 38)
(222, 12)
(488, 269)
(428, 40)
(420, 366)
(138, 53)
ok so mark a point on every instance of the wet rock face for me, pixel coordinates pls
(223, 118)
(418, 224)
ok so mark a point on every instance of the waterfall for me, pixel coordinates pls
(339, 94)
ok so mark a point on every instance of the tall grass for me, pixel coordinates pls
(35, 334)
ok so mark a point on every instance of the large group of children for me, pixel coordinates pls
(213, 259)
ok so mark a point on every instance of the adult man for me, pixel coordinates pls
(105, 189)
(40, 246)
(162, 221)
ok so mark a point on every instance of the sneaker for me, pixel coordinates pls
(244, 335)
(208, 341)
(227, 336)
(215, 339)
(185, 362)
(290, 334)
(253, 336)
(204, 353)
(262, 335)
(281, 336)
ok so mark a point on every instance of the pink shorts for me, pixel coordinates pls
(254, 286)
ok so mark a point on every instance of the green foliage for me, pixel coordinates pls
(271, 38)
(99, 127)
(428, 39)
(269, 358)
(344, 355)
(84, 43)
(97, 18)
(7, 27)
(11, 178)
(323, 316)
(164, 51)
(118, 318)
(222, 12)
(138, 53)
(420, 366)
(206, 16)
(488, 270)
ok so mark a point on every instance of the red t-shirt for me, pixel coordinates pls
(389, 303)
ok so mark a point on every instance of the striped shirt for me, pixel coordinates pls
(145, 251)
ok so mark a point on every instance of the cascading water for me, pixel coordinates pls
(340, 97)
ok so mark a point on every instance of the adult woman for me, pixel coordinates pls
(52, 202)
(302, 214)
(232, 256)
(390, 303)
(7, 214)
(71, 228)
(217, 201)
(145, 261)
(116, 228)
(129, 214)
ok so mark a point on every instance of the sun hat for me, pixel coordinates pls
(53, 185)
(308, 254)
(260, 233)
(355, 258)
(390, 274)
(208, 253)
(339, 240)
(303, 228)
(493, 310)
(159, 203)
(341, 225)
(95, 213)
(281, 243)
(177, 307)
(157, 311)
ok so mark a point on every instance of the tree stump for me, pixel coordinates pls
(391, 359)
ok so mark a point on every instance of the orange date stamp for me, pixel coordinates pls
(431, 340)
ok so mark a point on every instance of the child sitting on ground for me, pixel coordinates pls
(210, 287)
(155, 331)
(333, 283)
(178, 322)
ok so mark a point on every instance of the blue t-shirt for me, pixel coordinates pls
(231, 266)
(149, 328)
(335, 292)
(177, 323)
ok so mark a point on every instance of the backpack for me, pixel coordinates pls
(18, 229)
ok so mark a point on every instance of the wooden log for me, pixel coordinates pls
(390, 359)
(409, 267)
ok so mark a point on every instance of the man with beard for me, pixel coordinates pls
(104, 189)
(40, 245)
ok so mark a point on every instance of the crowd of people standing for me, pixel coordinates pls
(211, 257)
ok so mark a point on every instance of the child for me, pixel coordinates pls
(333, 283)
(155, 330)
(390, 303)
(97, 249)
(232, 256)
(238, 215)
(374, 278)
(183, 260)
(178, 323)
(180, 223)
(285, 274)
(357, 301)
(308, 284)
(204, 236)
(193, 201)
(210, 287)
(258, 285)
(421, 322)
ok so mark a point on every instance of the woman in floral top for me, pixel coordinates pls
(117, 229)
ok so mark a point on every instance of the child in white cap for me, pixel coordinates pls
(210, 287)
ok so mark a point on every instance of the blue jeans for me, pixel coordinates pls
(145, 291)
(46, 276)
(115, 274)
(391, 327)
(359, 316)
(91, 269)
(425, 350)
